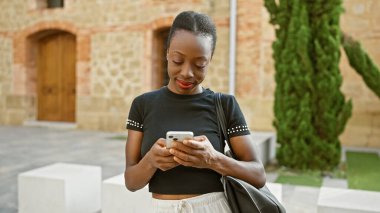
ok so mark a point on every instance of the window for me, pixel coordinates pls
(54, 3)
(45, 4)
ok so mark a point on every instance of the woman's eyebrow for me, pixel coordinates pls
(176, 51)
(202, 58)
(197, 58)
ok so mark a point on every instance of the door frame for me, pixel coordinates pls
(32, 46)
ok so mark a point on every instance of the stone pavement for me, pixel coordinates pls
(26, 148)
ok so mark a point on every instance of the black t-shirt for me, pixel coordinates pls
(155, 113)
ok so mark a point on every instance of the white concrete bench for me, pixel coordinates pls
(116, 197)
(336, 200)
(276, 189)
(266, 142)
(60, 188)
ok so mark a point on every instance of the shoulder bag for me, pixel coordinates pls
(242, 196)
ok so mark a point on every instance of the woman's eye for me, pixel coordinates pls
(200, 66)
(178, 62)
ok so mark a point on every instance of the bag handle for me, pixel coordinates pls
(222, 123)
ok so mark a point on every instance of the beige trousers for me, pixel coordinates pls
(208, 203)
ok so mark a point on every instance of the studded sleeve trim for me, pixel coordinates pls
(135, 117)
(236, 124)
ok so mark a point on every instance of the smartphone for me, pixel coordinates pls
(177, 136)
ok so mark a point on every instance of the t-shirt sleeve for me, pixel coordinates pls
(236, 124)
(135, 117)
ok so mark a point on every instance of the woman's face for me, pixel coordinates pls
(188, 58)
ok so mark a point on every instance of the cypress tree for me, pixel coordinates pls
(310, 111)
(362, 63)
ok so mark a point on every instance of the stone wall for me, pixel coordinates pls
(255, 72)
(361, 20)
(114, 52)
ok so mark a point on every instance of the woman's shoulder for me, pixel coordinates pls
(148, 96)
(227, 97)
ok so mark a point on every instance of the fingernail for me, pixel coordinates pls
(171, 151)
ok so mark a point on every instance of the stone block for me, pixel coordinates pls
(260, 122)
(365, 106)
(88, 121)
(15, 117)
(15, 102)
(335, 182)
(2, 117)
(116, 197)
(376, 121)
(355, 134)
(276, 190)
(92, 104)
(334, 200)
(374, 140)
(112, 122)
(360, 120)
(116, 104)
(266, 142)
(60, 187)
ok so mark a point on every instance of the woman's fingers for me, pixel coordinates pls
(164, 152)
(182, 162)
(160, 148)
(200, 138)
(185, 156)
(168, 159)
(192, 153)
(194, 144)
(185, 148)
(161, 142)
(167, 166)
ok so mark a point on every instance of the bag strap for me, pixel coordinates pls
(222, 123)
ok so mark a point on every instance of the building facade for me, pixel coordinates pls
(105, 52)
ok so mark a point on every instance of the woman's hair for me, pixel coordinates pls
(197, 23)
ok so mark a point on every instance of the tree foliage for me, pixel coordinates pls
(310, 110)
(362, 63)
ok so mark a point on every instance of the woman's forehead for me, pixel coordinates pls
(187, 42)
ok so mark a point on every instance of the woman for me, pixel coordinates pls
(187, 176)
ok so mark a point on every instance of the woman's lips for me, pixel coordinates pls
(184, 84)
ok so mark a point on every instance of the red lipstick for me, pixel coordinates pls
(184, 84)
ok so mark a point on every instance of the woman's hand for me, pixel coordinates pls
(160, 157)
(198, 152)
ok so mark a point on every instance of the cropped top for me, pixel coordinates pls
(154, 113)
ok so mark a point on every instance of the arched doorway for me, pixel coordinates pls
(56, 76)
(159, 73)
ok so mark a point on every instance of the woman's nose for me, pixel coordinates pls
(187, 70)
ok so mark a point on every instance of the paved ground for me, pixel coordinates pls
(26, 148)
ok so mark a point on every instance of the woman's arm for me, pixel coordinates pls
(201, 154)
(248, 167)
(138, 171)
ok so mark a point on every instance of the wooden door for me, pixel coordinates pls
(56, 77)
(160, 75)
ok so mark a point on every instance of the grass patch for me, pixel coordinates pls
(300, 178)
(118, 137)
(363, 171)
